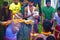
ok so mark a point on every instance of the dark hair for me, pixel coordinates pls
(30, 1)
(50, 38)
(39, 38)
(58, 9)
(48, 1)
(21, 0)
(5, 3)
(47, 25)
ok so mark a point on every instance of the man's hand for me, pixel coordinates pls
(5, 23)
(53, 28)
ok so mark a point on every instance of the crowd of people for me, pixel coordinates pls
(12, 27)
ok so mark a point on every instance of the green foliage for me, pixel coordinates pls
(1, 2)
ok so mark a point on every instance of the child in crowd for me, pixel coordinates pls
(57, 20)
(46, 27)
(13, 28)
(46, 30)
(15, 7)
(6, 13)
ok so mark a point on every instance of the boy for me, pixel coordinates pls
(57, 20)
(46, 30)
(6, 13)
(15, 7)
(13, 28)
(46, 27)
(53, 3)
(48, 11)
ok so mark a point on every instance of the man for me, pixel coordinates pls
(48, 11)
(29, 13)
(29, 10)
(5, 15)
(15, 7)
(53, 3)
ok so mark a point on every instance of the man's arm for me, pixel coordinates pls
(42, 17)
(5, 23)
(25, 13)
(54, 21)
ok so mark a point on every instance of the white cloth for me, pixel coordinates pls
(29, 13)
(54, 3)
(36, 13)
(57, 18)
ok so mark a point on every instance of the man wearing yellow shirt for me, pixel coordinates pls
(15, 7)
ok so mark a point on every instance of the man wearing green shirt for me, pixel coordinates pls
(48, 11)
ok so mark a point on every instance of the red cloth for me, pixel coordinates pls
(56, 33)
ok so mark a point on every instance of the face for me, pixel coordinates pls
(58, 13)
(6, 7)
(16, 1)
(30, 4)
(48, 4)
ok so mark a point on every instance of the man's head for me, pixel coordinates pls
(5, 4)
(47, 25)
(50, 38)
(16, 1)
(58, 11)
(48, 3)
(30, 2)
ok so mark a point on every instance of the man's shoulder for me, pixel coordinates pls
(12, 4)
(56, 14)
(19, 3)
(26, 8)
(51, 7)
(44, 7)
